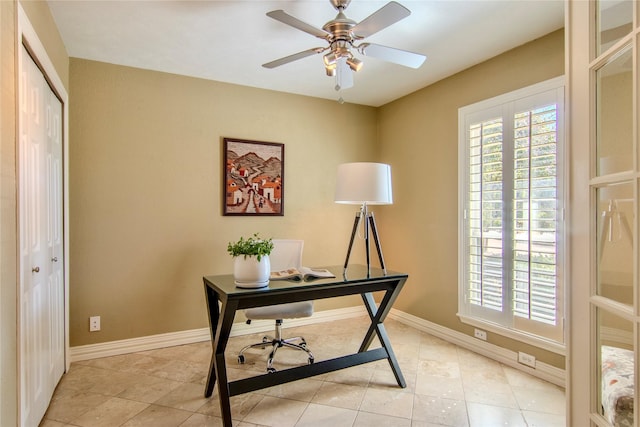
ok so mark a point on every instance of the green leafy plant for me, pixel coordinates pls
(252, 246)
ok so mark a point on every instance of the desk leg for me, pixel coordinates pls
(222, 337)
(377, 316)
(214, 316)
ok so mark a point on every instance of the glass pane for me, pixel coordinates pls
(614, 22)
(616, 361)
(614, 114)
(615, 242)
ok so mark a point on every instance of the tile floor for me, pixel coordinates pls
(446, 386)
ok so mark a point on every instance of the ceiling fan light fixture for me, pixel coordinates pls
(330, 59)
(354, 63)
(330, 70)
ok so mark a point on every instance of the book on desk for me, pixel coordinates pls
(302, 273)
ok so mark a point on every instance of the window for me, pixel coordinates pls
(511, 219)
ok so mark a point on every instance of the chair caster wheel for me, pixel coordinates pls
(241, 359)
(271, 370)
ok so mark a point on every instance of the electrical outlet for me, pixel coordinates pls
(94, 323)
(527, 359)
(480, 334)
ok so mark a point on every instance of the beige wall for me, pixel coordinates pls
(419, 135)
(145, 186)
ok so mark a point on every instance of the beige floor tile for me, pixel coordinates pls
(540, 419)
(51, 423)
(148, 389)
(113, 412)
(276, 412)
(180, 370)
(188, 397)
(489, 393)
(339, 395)
(367, 419)
(158, 416)
(550, 399)
(442, 352)
(435, 410)
(357, 375)
(82, 378)
(388, 402)
(67, 405)
(438, 368)
(446, 388)
(302, 390)
(383, 378)
(201, 420)
(522, 379)
(481, 415)
(322, 416)
(241, 405)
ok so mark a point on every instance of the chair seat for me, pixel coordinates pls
(281, 311)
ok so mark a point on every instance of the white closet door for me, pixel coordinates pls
(41, 306)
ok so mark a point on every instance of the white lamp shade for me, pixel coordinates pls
(360, 183)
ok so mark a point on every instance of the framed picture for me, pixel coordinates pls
(253, 182)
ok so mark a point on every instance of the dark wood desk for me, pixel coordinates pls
(221, 289)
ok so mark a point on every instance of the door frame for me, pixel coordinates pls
(28, 37)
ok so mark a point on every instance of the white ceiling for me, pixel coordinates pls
(228, 41)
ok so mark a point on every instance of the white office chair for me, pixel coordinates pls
(285, 254)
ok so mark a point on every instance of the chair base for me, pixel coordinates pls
(275, 343)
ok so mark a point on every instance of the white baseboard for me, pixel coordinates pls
(508, 357)
(113, 348)
(152, 342)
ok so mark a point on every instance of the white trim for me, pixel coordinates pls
(515, 334)
(543, 371)
(27, 32)
(93, 351)
(152, 342)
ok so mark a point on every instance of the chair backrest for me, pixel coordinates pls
(286, 253)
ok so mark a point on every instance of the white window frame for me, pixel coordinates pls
(505, 323)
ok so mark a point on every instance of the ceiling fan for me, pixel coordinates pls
(342, 34)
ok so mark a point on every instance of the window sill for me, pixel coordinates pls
(542, 343)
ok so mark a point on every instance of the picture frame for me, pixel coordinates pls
(253, 178)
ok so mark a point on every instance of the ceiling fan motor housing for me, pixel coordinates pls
(340, 4)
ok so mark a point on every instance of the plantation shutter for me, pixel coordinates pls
(511, 218)
(486, 216)
(535, 207)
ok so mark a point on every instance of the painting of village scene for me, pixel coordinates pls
(254, 177)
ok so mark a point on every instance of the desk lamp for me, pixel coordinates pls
(364, 184)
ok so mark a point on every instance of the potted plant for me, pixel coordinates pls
(251, 266)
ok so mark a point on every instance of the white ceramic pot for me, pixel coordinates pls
(248, 272)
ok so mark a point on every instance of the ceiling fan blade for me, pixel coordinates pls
(388, 14)
(391, 54)
(285, 18)
(344, 75)
(294, 57)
